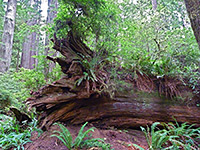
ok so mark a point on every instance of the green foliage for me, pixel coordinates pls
(15, 87)
(66, 137)
(5, 99)
(11, 91)
(186, 135)
(138, 147)
(155, 42)
(2, 14)
(24, 15)
(155, 139)
(135, 35)
(151, 42)
(86, 18)
(31, 79)
(90, 69)
(55, 74)
(14, 136)
(97, 142)
(42, 68)
(172, 136)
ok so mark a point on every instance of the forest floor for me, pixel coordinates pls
(119, 139)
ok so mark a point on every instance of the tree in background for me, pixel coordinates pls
(193, 9)
(7, 38)
(154, 4)
(2, 15)
(51, 14)
(30, 43)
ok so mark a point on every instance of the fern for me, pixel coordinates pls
(82, 135)
(172, 136)
(66, 138)
(138, 147)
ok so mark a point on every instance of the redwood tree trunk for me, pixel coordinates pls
(193, 9)
(51, 14)
(25, 59)
(8, 34)
(30, 43)
(154, 4)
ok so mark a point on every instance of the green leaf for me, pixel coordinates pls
(138, 147)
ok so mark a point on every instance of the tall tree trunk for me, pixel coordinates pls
(26, 52)
(7, 38)
(193, 9)
(154, 4)
(33, 50)
(35, 36)
(51, 14)
(30, 43)
(18, 56)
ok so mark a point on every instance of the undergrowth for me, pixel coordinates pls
(82, 139)
(15, 87)
(171, 136)
(13, 135)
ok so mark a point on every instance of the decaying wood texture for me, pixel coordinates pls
(60, 102)
(20, 116)
(64, 101)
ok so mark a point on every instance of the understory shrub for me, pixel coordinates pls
(80, 141)
(15, 87)
(172, 136)
(12, 92)
(152, 43)
(13, 135)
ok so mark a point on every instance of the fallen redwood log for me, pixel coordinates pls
(59, 102)
(90, 100)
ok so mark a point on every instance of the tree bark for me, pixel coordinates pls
(61, 101)
(30, 44)
(25, 59)
(51, 14)
(93, 101)
(7, 37)
(193, 9)
(154, 4)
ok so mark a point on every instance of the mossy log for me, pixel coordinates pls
(64, 101)
(60, 102)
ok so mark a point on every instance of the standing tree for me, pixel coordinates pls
(154, 4)
(193, 9)
(2, 14)
(7, 38)
(51, 14)
(30, 43)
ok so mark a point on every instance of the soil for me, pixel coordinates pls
(119, 139)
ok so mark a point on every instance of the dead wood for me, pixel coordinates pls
(61, 102)
(77, 98)
(20, 116)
